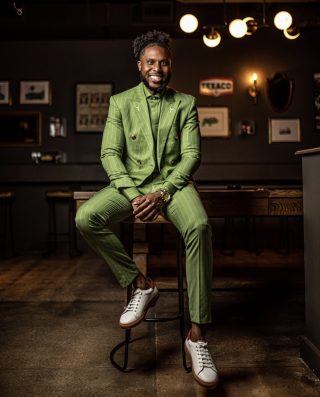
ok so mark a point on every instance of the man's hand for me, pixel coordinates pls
(147, 207)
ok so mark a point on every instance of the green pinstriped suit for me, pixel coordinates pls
(137, 163)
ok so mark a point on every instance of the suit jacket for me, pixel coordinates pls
(129, 153)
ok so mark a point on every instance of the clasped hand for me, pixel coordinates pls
(147, 207)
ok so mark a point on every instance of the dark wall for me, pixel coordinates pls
(241, 159)
(64, 63)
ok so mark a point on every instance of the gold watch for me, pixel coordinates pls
(165, 195)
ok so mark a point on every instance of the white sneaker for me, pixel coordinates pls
(203, 368)
(141, 301)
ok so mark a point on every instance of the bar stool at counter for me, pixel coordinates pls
(61, 198)
(7, 245)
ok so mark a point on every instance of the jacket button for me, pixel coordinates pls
(139, 162)
(133, 137)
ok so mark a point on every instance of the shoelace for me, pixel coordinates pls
(203, 355)
(134, 301)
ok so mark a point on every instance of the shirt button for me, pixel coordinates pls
(176, 137)
(133, 137)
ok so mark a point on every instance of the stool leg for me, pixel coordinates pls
(52, 229)
(13, 251)
(127, 238)
(125, 344)
(72, 232)
(4, 228)
(228, 230)
(283, 245)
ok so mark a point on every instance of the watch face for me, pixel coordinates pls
(166, 196)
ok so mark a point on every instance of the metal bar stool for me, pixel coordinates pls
(6, 220)
(127, 237)
(55, 198)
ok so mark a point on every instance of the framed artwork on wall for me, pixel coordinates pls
(21, 128)
(284, 130)
(92, 105)
(35, 92)
(4, 93)
(316, 99)
(246, 127)
(317, 122)
(214, 122)
(316, 79)
(58, 127)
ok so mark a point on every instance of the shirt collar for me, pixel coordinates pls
(148, 94)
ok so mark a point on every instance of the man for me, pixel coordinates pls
(150, 149)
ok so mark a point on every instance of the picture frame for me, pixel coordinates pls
(35, 92)
(317, 122)
(92, 105)
(246, 127)
(316, 100)
(284, 130)
(20, 128)
(316, 79)
(5, 93)
(57, 127)
(214, 122)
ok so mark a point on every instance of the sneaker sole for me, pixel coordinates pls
(139, 320)
(200, 381)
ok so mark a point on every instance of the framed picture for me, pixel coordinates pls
(317, 122)
(214, 122)
(21, 128)
(316, 99)
(284, 130)
(35, 92)
(246, 127)
(4, 93)
(58, 127)
(92, 105)
(316, 79)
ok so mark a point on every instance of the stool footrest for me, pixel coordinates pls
(163, 319)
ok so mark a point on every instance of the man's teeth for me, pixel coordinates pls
(155, 79)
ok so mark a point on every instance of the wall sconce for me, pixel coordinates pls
(253, 89)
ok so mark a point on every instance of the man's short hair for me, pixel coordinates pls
(154, 37)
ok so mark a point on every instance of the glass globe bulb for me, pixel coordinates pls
(212, 40)
(238, 28)
(291, 33)
(188, 23)
(282, 20)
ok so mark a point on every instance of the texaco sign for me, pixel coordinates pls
(216, 86)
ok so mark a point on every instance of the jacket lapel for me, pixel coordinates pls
(168, 111)
(141, 110)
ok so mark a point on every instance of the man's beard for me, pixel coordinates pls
(158, 89)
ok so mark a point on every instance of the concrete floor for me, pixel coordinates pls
(59, 321)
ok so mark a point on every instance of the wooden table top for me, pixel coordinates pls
(241, 202)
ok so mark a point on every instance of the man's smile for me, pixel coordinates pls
(155, 78)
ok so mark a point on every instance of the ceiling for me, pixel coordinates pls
(244, 1)
(100, 19)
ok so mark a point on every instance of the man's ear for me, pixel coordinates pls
(139, 65)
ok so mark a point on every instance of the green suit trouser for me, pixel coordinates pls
(185, 211)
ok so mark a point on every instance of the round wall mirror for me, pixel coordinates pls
(280, 91)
